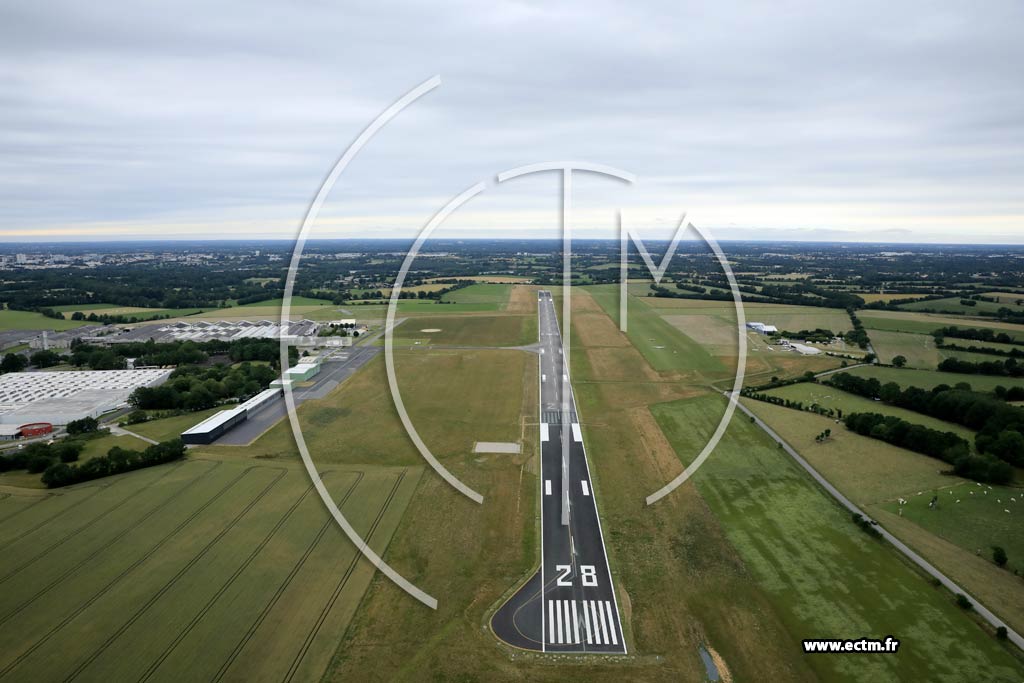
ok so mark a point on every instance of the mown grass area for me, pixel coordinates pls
(499, 330)
(874, 475)
(496, 294)
(29, 320)
(189, 571)
(167, 428)
(810, 393)
(818, 570)
(929, 379)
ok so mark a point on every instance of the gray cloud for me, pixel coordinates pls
(806, 119)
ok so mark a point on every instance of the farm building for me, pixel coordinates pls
(763, 328)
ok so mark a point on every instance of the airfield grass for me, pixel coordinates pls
(189, 571)
(929, 379)
(819, 571)
(658, 592)
(496, 330)
(874, 474)
(166, 428)
(664, 347)
(454, 398)
(30, 320)
(810, 393)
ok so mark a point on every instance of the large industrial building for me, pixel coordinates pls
(297, 333)
(61, 397)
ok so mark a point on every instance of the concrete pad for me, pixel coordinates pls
(502, 447)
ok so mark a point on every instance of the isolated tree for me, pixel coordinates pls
(12, 362)
(83, 426)
(962, 602)
(999, 555)
(44, 359)
(899, 361)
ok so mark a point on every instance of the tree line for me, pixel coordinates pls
(975, 334)
(999, 425)
(193, 387)
(995, 368)
(945, 446)
(117, 461)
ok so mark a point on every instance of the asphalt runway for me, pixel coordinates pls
(570, 604)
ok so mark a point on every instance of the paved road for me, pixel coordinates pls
(986, 614)
(570, 604)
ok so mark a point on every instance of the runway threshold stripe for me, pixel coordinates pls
(586, 623)
(558, 617)
(611, 623)
(586, 487)
(568, 621)
(575, 624)
(597, 623)
(604, 624)
(551, 621)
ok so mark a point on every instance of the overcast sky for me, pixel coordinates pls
(860, 121)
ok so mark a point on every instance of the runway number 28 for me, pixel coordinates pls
(588, 574)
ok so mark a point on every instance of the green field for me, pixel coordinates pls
(188, 571)
(973, 517)
(929, 379)
(28, 320)
(874, 475)
(926, 323)
(129, 311)
(821, 573)
(829, 397)
(296, 302)
(953, 305)
(495, 294)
